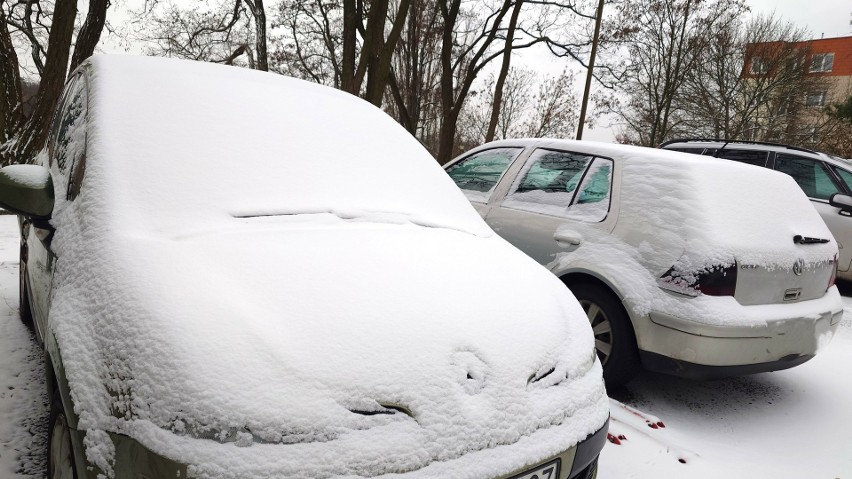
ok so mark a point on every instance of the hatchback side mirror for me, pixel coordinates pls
(27, 190)
(838, 200)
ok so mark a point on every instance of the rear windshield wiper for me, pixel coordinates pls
(799, 239)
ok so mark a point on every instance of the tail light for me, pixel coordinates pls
(716, 280)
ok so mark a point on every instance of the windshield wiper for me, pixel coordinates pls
(799, 239)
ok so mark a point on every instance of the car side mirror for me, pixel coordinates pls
(838, 200)
(26, 190)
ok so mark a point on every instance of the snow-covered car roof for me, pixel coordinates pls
(262, 277)
(696, 203)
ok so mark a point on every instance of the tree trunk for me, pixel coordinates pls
(35, 130)
(504, 71)
(350, 21)
(446, 135)
(10, 93)
(90, 33)
(377, 79)
(259, 14)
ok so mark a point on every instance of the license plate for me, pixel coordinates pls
(544, 471)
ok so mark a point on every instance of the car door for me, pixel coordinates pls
(552, 193)
(65, 157)
(751, 157)
(818, 183)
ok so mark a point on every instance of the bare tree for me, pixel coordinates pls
(229, 32)
(344, 43)
(415, 73)
(46, 31)
(504, 71)
(662, 41)
(554, 110)
(551, 112)
(750, 83)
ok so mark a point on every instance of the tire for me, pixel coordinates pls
(60, 451)
(614, 337)
(24, 296)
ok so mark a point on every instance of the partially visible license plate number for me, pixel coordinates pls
(545, 471)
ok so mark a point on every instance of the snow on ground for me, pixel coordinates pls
(23, 399)
(787, 424)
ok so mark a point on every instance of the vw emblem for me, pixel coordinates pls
(799, 267)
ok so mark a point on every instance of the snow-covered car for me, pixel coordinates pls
(237, 274)
(820, 176)
(703, 268)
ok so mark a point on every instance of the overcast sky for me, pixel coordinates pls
(822, 17)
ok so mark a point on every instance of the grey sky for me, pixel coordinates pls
(822, 17)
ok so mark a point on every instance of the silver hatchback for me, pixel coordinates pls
(702, 268)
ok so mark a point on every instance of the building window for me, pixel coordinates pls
(822, 62)
(759, 66)
(815, 98)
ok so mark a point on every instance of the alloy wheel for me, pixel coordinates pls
(602, 328)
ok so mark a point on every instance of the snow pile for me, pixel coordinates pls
(264, 277)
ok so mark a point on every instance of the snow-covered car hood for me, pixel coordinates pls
(255, 260)
(377, 347)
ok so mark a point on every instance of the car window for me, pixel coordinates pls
(751, 157)
(695, 151)
(478, 174)
(563, 184)
(811, 175)
(845, 176)
(592, 200)
(67, 148)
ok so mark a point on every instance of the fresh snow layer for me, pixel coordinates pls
(28, 175)
(252, 259)
(787, 424)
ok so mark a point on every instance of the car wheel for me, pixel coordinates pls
(614, 337)
(24, 295)
(60, 453)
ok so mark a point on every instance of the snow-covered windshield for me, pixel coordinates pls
(207, 142)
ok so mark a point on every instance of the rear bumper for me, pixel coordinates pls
(685, 369)
(785, 338)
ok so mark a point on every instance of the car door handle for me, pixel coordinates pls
(844, 213)
(567, 237)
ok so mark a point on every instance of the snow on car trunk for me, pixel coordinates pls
(738, 219)
(688, 216)
(316, 299)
